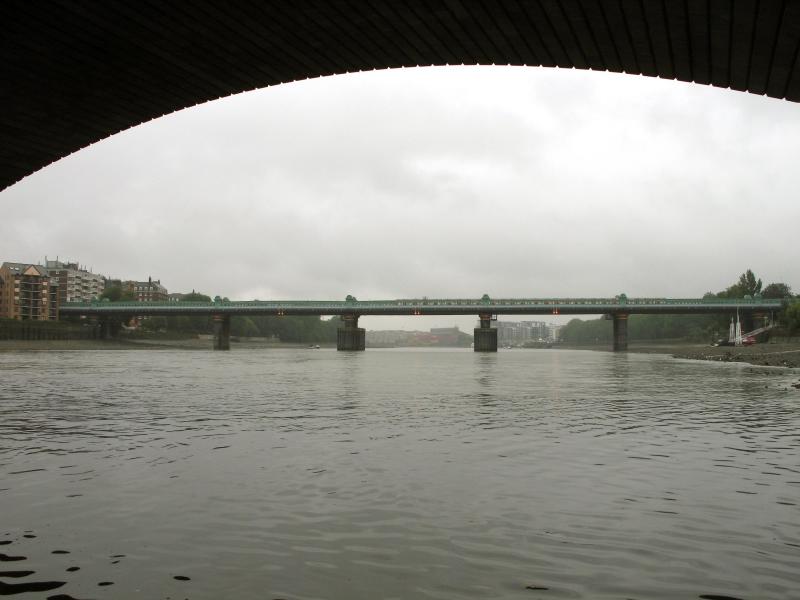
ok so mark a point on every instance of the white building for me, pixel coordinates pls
(554, 332)
(519, 332)
(75, 284)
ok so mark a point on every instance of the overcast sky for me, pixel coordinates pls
(444, 182)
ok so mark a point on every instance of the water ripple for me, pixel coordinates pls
(395, 474)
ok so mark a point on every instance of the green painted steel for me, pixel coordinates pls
(435, 306)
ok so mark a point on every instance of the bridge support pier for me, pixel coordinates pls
(620, 332)
(351, 336)
(222, 332)
(107, 327)
(756, 320)
(485, 337)
(97, 329)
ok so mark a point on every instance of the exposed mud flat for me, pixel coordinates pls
(122, 343)
(40, 345)
(765, 355)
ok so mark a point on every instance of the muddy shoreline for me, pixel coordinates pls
(766, 355)
(132, 344)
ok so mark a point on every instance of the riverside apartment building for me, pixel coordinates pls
(27, 292)
(75, 284)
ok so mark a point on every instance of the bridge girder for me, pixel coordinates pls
(352, 310)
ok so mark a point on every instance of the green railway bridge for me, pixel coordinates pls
(352, 337)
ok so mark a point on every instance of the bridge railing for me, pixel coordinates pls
(443, 303)
(617, 301)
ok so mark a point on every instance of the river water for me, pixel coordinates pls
(443, 474)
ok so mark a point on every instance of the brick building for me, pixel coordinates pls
(27, 292)
(146, 291)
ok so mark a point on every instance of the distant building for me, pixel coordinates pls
(437, 336)
(176, 297)
(146, 291)
(74, 283)
(387, 338)
(422, 338)
(400, 338)
(554, 332)
(27, 292)
(535, 330)
(519, 332)
(447, 336)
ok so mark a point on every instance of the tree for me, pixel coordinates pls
(196, 297)
(777, 290)
(578, 331)
(747, 285)
(792, 317)
(115, 293)
(242, 326)
(643, 327)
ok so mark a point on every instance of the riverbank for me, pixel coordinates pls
(135, 344)
(46, 345)
(767, 355)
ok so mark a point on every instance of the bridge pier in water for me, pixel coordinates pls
(101, 327)
(485, 338)
(620, 332)
(351, 336)
(222, 332)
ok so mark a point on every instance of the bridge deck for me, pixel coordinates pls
(432, 306)
(76, 72)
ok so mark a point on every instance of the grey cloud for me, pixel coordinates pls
(449, 182)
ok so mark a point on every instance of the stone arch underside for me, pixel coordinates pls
(76, 71)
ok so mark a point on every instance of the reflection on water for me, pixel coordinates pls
(396, 474)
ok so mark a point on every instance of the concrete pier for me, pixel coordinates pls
(350, 336)
(757, 320)
(754, 320)
(620, 332)
(107, 327)
(485, 338)
(222, 332)
(100, 327)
